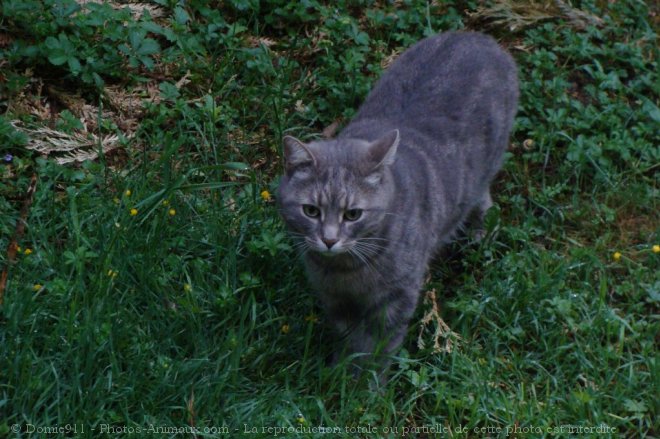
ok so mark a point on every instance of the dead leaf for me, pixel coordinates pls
(300, 107)
(5, 39)
(330, 131)
(260, 41)
(183, 81)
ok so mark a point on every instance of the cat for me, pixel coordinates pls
(371, 207)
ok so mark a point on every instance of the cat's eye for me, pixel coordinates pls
(352, 214)
(311, 211)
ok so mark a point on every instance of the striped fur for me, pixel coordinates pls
(416, 160)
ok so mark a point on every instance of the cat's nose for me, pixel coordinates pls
(329, 242)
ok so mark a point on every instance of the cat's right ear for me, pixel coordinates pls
(381, 154)
(296, 154)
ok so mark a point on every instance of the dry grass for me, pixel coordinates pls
(516, 15)
(442, 331)
(67, 148)
(137, 9)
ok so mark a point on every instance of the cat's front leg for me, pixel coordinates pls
(380, 330)
(396, 312)
(375, 341)
(353, 337)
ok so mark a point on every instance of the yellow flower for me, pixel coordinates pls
(134, 211)
(656, 248)
(112, 273)
(37, 287)
(265, 195)
(616, 256)
(27, 252)
(301, 419)
(166, 203)
(285, 329)
(172, 212)
(18, 249)
(187, 288)
(128, 192)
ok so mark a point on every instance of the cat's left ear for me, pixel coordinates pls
(382, 153)
(296, 154)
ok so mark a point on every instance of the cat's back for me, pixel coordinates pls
(452, 75)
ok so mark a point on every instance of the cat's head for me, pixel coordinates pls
(336, 193)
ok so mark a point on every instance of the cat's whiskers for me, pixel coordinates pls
(369, 251)
(365, 256)
(298, 239)
(300, 244)
(377, 242)
(370, 248)
(355, 251)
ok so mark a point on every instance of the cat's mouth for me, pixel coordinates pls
(337, 249)
(332, 252)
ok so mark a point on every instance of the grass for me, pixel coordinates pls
(192, 309)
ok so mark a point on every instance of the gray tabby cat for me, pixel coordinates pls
(372, 206)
